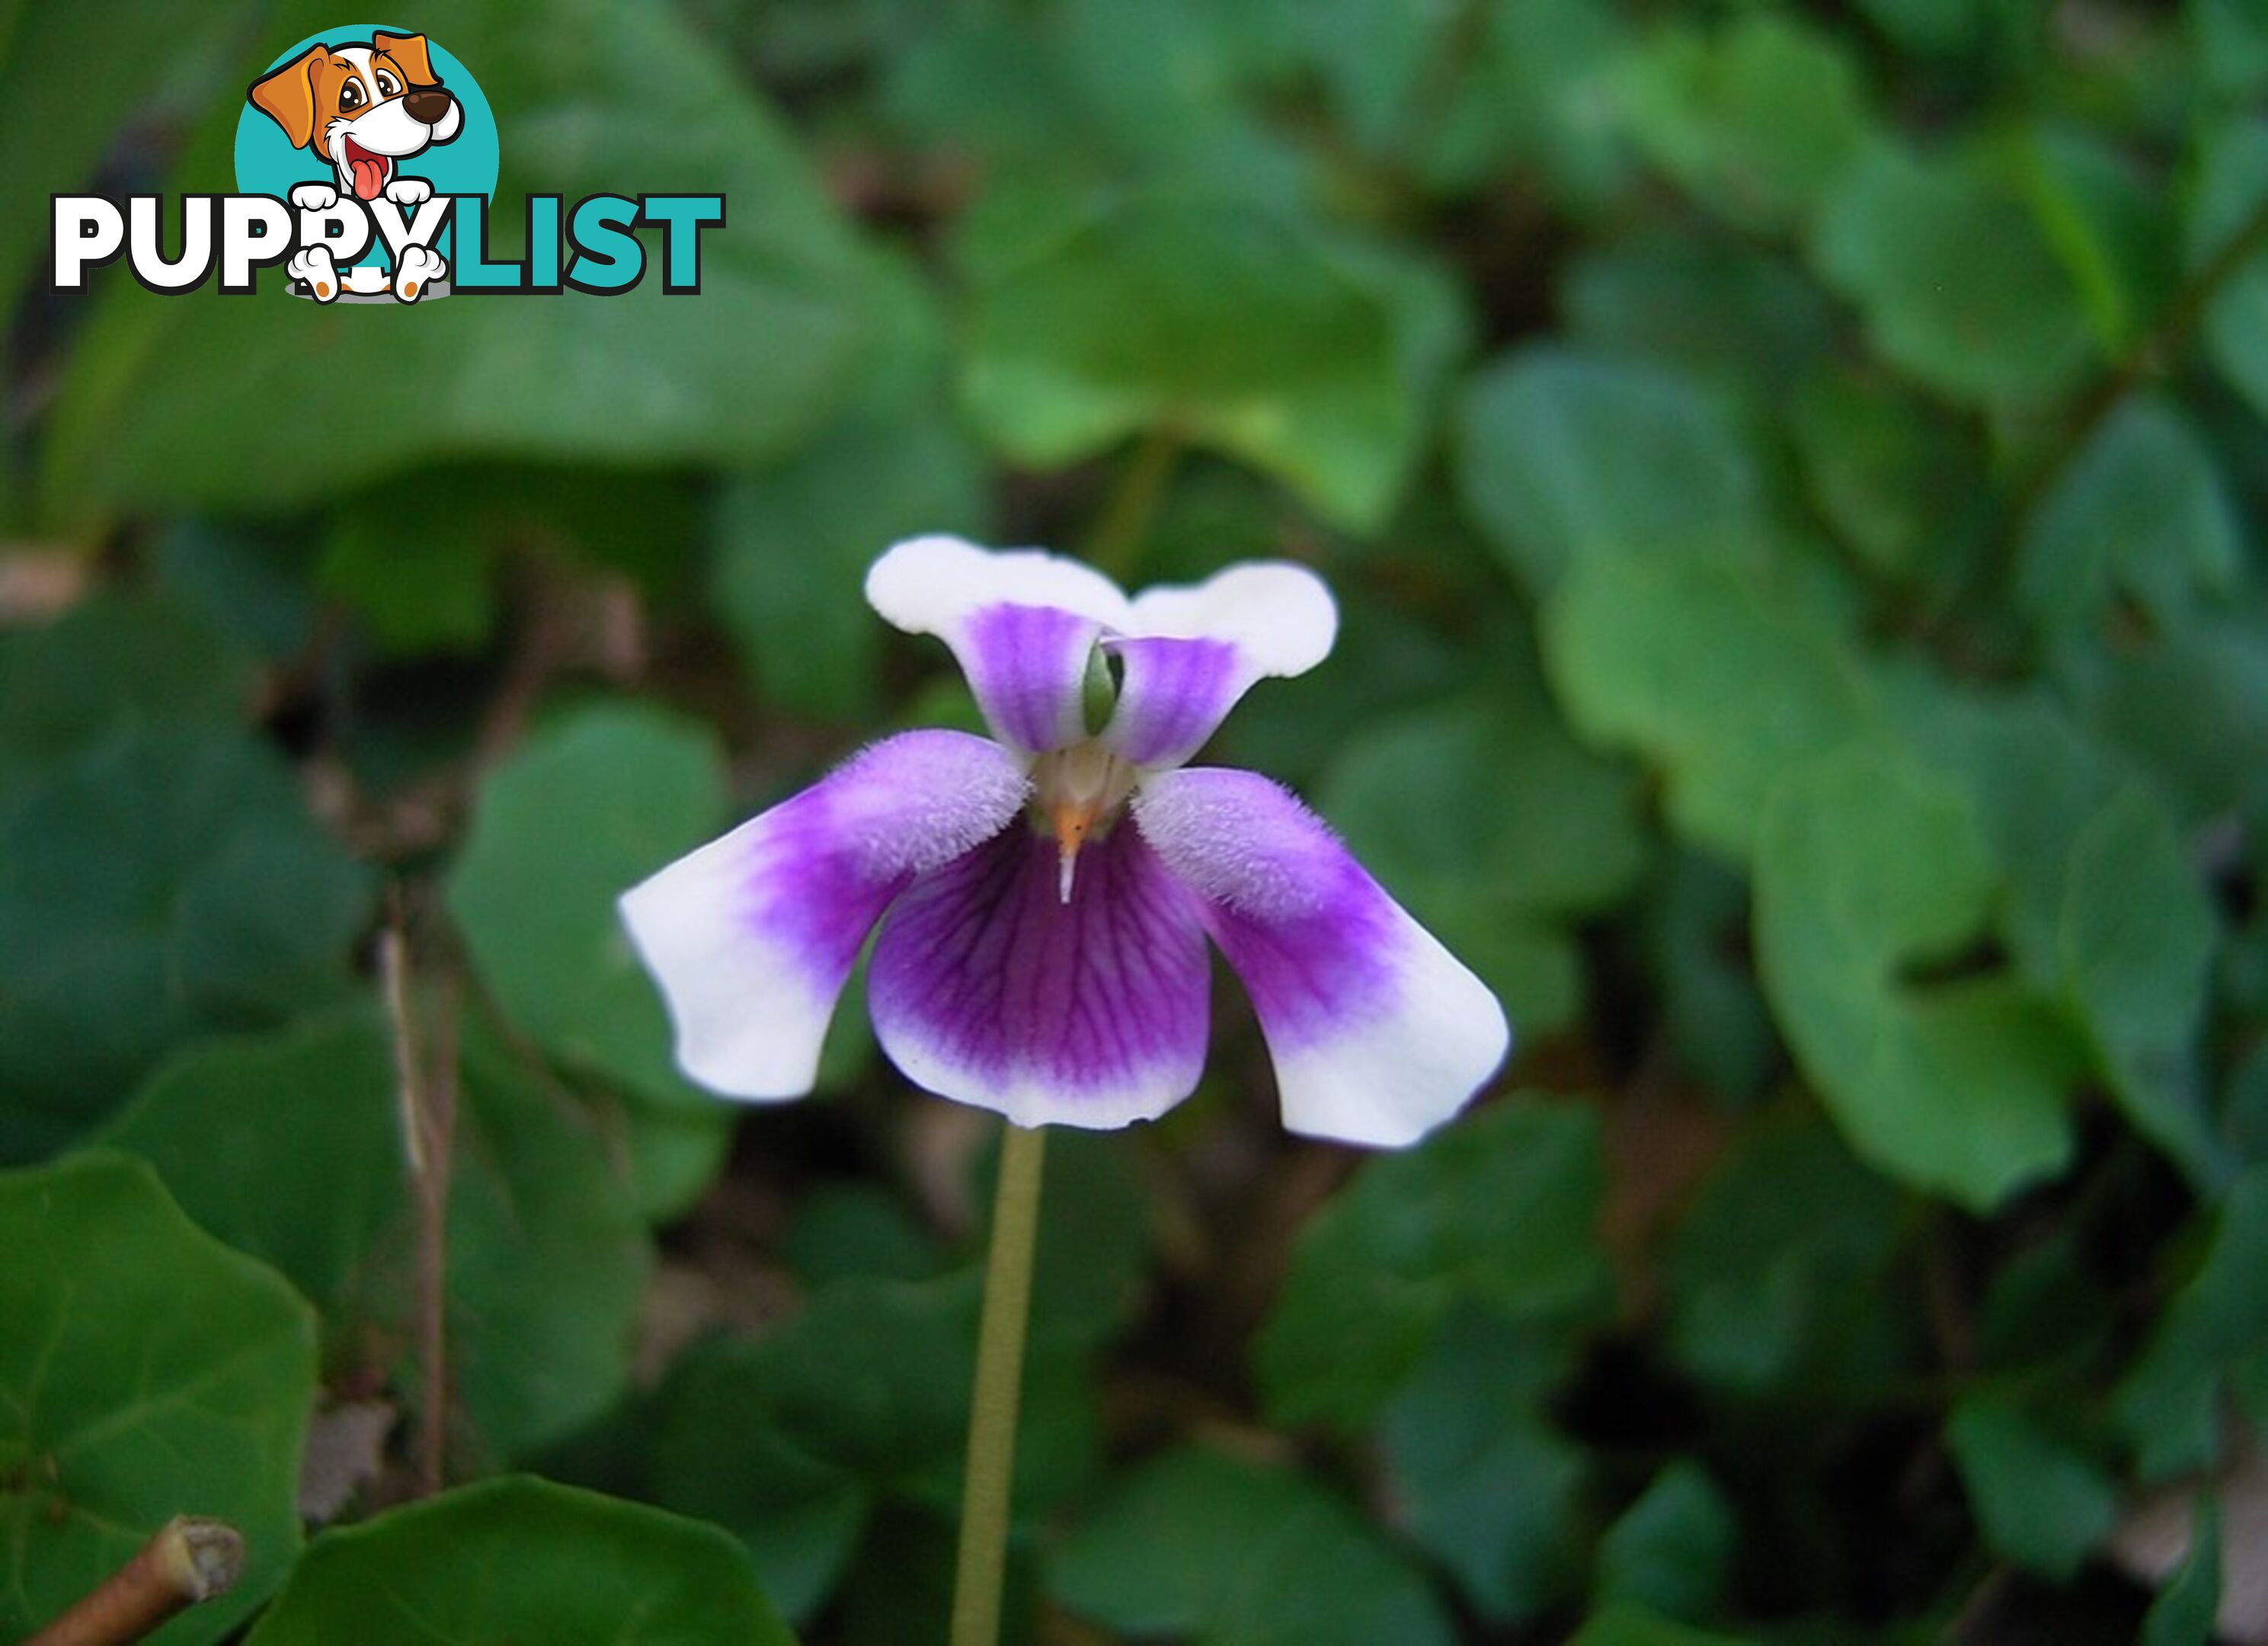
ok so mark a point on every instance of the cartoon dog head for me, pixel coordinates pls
(362, 108)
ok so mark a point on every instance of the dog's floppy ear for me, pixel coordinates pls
(288, 96)
(409, 50)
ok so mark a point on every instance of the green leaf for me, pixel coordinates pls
(1893, 473)
(1696, 935)
(2102, 912)
(2186, 1610)
(1564, 456)
(1481, 1481)
(1237, 328)
(1958, 284)
(1755, 119)
(873, 1376)
(146, 1370)
(288, 1145)
(549, 1260)
(1776, 1272)
(2110, 225)
(860, 1230)
(1437, 804)
(237, 404)
(2231, 49)
(1499, 1211)
(718, 1457)
(1236, 1553)
(1866, 867)
(2215, 1331)
(1632, 1626)
(56, 121)
(2137, 939)
(588, 806)
(1160, 1553)
(1535, 79)
(420, 585)
(114, 664)
(1320, 1577)
(1728, 315)
(2140, 514)
(2037, 1501)
(169, 883)
(1670, 1549)
(1716, 675)
(2175, 703)
(520, 1559)
(2231, 191)
(795, 541)
(1093, 1242)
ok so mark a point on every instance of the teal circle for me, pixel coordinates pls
(266, 163)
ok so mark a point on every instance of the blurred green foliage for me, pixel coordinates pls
(1793, 475)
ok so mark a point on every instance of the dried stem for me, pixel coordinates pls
(186, 1562)
(426, 1079)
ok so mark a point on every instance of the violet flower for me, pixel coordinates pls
(1044, 899)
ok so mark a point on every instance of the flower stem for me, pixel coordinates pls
(990, 1484)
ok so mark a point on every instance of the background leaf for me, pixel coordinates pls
(147, 1372)
(522, 1558)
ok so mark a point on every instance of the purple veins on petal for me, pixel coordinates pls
(753, 935)
(1172, 695)
(1026, 667)
(988, 988)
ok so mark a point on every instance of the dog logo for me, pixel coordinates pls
(369, 108)
(366, 166)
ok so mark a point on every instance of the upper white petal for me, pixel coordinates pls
(930, 585)
(1280, 616)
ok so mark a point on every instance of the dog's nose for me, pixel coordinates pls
(428, 105)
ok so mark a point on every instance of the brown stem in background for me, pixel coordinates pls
(1115, 549)
(426, 1078)
(186, 1562)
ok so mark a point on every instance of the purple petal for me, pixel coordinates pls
(1190, 652)
(1172, 694)
(1378, 1033)
(1026, 665)
(1021, 624)
(753, 935)
(986, 987)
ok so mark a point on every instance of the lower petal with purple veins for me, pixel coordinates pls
(1379, 1034)
(753, 936)
(986, 986)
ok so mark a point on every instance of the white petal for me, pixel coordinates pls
(1279, 615)
(1022, 625)
(930, 585)
(753, 936)
(1379, 1034)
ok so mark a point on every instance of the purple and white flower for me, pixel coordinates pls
(1044, 899)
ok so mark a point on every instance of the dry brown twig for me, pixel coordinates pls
(427, 1078)
(186, 1561)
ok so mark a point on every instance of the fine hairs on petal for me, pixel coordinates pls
(907, 809)
(1270, 872)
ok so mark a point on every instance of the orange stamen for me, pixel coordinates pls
(1071, 820)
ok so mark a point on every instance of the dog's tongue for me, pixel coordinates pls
(369, 177)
